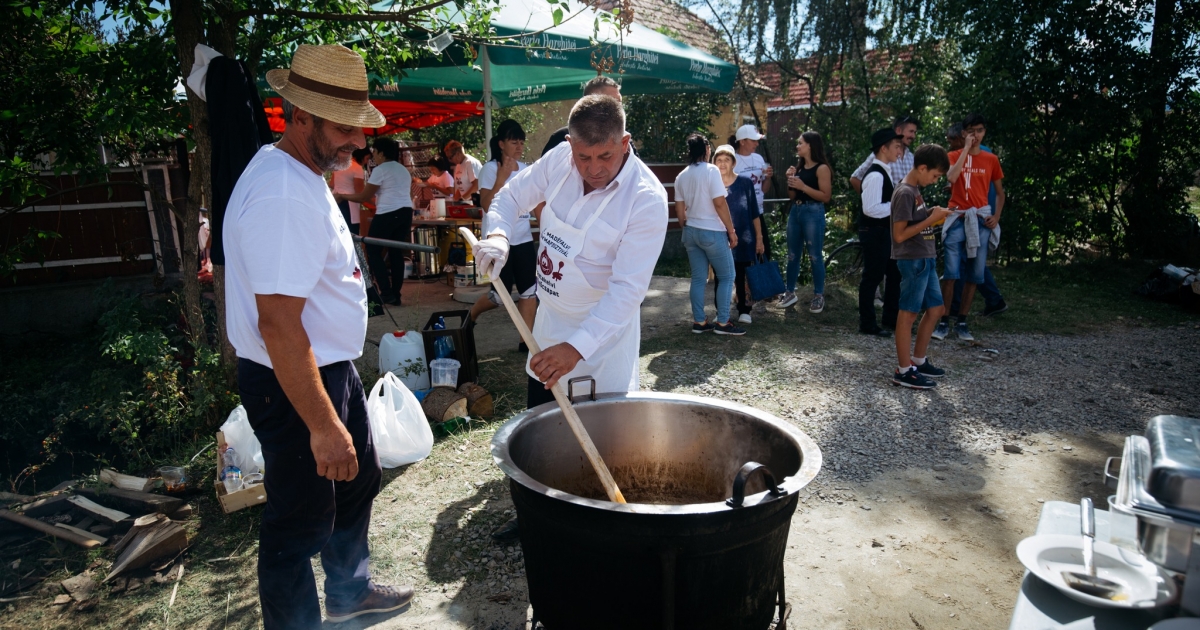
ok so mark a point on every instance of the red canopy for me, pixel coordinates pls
(401, 115)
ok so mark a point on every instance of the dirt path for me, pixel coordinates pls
(914, 520)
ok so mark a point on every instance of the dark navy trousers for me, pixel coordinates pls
(307, 514)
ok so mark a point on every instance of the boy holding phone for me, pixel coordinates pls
(915, 252)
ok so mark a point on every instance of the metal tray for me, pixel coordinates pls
(1165, 535)
(1174, 475)
(1132, 493)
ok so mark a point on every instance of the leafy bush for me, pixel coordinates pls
(138, 394)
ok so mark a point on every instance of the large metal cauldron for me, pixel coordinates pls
(701, 564)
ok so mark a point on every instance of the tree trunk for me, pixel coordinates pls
(189, 31)
(1147, 208)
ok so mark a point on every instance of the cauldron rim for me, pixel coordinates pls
(810, 456)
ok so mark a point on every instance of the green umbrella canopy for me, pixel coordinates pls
(551, 63)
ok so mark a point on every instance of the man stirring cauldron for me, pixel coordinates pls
(297, 317)
(602, 230)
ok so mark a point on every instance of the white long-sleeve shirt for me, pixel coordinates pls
(622, 246)
(874, 205)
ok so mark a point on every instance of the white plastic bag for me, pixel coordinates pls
(402, 435)
(247, 452)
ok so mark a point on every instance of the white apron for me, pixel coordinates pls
(566, 299)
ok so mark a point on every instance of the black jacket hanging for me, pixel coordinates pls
(238, 127)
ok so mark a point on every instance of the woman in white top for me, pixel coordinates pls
(507, 147)
(708, 234)
(391, 185)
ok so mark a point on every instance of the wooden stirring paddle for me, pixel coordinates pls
(560, 394)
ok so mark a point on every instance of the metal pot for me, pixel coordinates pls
(701, 543)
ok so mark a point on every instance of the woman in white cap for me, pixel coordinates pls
(745, 143)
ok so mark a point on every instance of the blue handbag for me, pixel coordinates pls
(765, 279)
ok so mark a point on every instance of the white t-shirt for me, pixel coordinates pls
(343, 182)
(522, 232)
(752, 166)
(395, 187)
(466, 173)
(445, 180)
(696, 186)
(284, 234)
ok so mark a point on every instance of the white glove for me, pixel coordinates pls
(490, 255)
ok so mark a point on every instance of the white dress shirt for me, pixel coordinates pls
(899, 169)
(874, 205)
(622, 246)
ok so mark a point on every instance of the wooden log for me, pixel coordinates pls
(8, 497)
(47, 506)
(139, 524)
(443, 404)
(479, 401)
(108, 515)
(82, 532)
(126, 482)
(34, 524)
(134, 501)
(164, 538)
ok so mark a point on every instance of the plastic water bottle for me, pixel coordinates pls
(443, 347)
(231, 474)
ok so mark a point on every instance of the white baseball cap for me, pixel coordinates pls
(748, 132)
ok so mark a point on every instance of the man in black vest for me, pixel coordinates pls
(875, 234)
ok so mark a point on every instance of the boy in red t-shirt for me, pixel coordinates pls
(966, 234)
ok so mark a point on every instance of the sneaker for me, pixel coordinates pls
(744, 318)
(379, 599)
(787, 300)
(876, 332)
(701, 328)
(912, 379)
(817, 304)
(964, 333)
(929, 369)
(728, 329)
(943, 329)
(995, 309)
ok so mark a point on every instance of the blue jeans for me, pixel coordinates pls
(919, 289)
(704, 248)
(954, 250)
(806, 226)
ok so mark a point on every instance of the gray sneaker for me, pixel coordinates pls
(817, 305)
(941, 331)
(787, 299)
(964, 333)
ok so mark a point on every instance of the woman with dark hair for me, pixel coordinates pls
(391, 184)
(507, 147)
(809, 187)
(708, 235)
(441, 177)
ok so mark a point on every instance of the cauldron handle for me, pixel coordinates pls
(580, 379)
(739, 484)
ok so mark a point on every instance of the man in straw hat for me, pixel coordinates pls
(296, 313)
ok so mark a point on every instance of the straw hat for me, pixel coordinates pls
(330, 82)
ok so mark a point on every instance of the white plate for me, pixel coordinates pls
(1048, 555)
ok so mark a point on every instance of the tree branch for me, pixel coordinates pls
(369, 16)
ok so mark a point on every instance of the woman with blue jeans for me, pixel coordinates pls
(809, 187)
(708, 235)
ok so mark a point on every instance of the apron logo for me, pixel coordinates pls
(357, 273)
(545, 265)
(557, 275)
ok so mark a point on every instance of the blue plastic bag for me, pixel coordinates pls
(765, 280)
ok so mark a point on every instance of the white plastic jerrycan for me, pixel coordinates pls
(403, 353)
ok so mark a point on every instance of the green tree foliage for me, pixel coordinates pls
(66, 90)
(1069, 87)
(660, 123)
(1094, 104)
